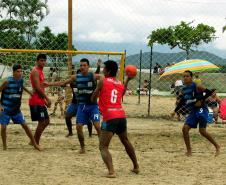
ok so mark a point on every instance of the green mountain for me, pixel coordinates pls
(164, 58)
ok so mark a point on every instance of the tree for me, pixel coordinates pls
(183, 36)
(20, 18)
(32, 12)
(47, 40)
(10, 7)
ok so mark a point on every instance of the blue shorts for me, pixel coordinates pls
(72, 109)
(87, 113)
(197, 116)
(17, 118)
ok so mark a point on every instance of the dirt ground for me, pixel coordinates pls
(158, 144)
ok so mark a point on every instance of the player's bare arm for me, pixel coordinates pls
(25, 89)
(3, 86)
(97, 76)
(201, 88)
(96, 92)
(126, 84)
(61, 83)
(99, 62)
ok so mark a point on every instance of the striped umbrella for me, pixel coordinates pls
(194, 65)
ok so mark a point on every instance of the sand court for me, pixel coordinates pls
(159, 148)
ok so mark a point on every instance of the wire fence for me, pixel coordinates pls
(174, 35)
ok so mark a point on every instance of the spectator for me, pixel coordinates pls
(157, 68)
(178, 85)
(213, 101)
(59, 101)
(143, 90)
(197, 80)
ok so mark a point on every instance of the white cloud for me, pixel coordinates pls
(132, 20)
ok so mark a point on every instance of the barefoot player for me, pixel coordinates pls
(110, 92)
(12, 89)
(195, 101)
(39, 100)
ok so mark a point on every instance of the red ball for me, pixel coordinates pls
(131, 71)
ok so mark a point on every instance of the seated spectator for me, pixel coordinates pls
(128, 92)
(213, 102)
(197, 80)
(143, 90)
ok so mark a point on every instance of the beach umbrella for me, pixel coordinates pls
(194, 65)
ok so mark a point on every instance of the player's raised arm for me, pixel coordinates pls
(96, 92)
(99, 62)
(126, 84)
(131, 72)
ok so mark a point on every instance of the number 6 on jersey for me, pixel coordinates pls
(114, 96)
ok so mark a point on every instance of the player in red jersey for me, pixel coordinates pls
(39, 100)
(110, 92)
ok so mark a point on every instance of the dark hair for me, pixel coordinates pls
(112, 67)
(188, 71)
(85, 60)
(16, 66)
(41, 56)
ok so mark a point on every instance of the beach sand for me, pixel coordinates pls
(158, 143)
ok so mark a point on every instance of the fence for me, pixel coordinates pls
(42, 25)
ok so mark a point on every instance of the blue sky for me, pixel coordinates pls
(131, 21)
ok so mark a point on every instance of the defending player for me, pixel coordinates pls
(12, 89)
(195, 101)
(71, 110)
(87, 110)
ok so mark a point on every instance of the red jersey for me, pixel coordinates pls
(110, 99)
(35, 99)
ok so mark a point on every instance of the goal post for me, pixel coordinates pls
(77, 52)
(57, 62)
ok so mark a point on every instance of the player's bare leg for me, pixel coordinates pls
(105, 138)
(54, 109)
(130, 151)
(61, 109)
(39, 130)
(205, 134)
(69, 125)
(90, 128)
(97, 127)
(186, 137)
(3, 134)
(79, 128)
(32, 139)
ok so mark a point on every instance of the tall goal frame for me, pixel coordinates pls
(77, 52)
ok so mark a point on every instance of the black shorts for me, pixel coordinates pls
(38, 113)
(118, 125)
